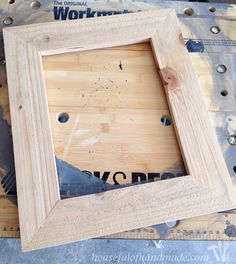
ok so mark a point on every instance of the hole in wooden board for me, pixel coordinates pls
(11, 1)
(63, 117)
(166, 121)
(120, 128)
(234, 169)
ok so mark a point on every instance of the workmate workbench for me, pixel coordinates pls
(209, 31)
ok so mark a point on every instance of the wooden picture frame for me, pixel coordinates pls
(45, 220)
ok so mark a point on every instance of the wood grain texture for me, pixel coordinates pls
(32, 137)
(114, 114)
(202, 192)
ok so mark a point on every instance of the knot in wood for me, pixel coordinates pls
(169, 78)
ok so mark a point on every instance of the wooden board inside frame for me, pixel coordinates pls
(45, 220)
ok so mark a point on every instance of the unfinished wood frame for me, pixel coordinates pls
(45, 220)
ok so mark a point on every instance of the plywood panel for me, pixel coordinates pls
(115, 101)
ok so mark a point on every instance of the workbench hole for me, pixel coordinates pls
(234, 169)
(232, 140)
(7, 21)
(11, 1)
(215, 29)
(221, 68)
(35, 5)
(63, 117)
(166, 121)
(188, 11)
(212, 9)
(224, 92)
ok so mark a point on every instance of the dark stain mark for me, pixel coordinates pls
(170, 78)
(121, 66)
(230, 230)
(181, 39)
(194, 46)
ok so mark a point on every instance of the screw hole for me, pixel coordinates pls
(234, 169)
(188, 11)
(166, 121)
(224, 93)
(212, 9)
(7, 21)
(215, 29)
(35, 5)
(63, 117)
(11, 1)
(221, 68)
